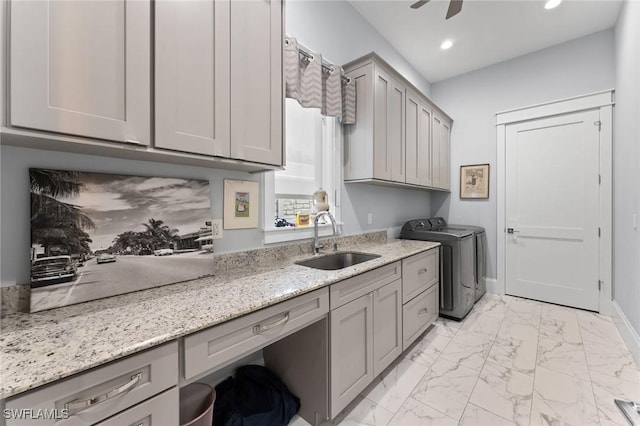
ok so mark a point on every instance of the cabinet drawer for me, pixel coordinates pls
(220, 345)
(419, 272)
(163, 409)
(128, 382)
(418, 314)
(352, 288)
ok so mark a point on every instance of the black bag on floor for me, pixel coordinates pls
(254, 397)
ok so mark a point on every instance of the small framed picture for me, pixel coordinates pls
(474, 181)
(240, 204)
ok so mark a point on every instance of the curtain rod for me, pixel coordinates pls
(305, 52)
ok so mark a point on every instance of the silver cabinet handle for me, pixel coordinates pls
(79, 405)
(257, 329)
(423, 312)
(423, 271)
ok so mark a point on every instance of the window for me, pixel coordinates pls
(313, 161)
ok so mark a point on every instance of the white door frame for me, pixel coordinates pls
(599, 100)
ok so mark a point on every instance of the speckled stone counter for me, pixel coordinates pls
(36, 349)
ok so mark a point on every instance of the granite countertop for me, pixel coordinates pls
(40, 348)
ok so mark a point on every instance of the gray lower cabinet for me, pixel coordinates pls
(351, 349)
(418, 314)
(94, 396)
(420, 294)
(218, 346)
(157, 411)
(365, 333)
(387, 325)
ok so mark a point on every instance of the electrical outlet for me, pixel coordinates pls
(216, 229)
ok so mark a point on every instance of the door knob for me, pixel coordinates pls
(511, 231)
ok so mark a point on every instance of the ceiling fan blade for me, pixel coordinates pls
(419, 3)
(454, 8)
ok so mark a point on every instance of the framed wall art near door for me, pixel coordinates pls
(240, 204)
(474, 181)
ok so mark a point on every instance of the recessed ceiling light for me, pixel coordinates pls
(446, 44)
(552, 4)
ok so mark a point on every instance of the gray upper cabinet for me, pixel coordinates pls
(82, 68)
(219, 78)
(388, 133)
(391, 142)
(440, 152)
(192, 76)
(418, 140)
(82, 75)
(257, 97)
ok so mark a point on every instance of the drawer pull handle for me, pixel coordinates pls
(423, 271)
(257, 329)
(423, 312)
(76, 405)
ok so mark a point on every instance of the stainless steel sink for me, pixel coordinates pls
(339, 260)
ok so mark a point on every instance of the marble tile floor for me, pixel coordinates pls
(511, 361)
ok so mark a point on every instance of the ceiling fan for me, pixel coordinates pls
(455, 6)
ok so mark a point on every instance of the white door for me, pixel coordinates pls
(82, 68)
(552, 219)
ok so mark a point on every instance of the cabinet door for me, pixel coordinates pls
(82, 68)
(424, 147)
(418, 314)
(388, 134)
(192, 97)
(351, 332)
(358, 138)
(440, 152)
(412, 137)
(387, 325)
(257, 96)
(417, 140)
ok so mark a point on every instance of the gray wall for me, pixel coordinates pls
(337, 31)
(626, 267)
(573, 68)
(333, 28)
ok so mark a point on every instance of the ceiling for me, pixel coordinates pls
(484, 33)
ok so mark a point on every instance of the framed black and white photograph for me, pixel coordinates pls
(240, 204)
(474, 181)
(96, 235)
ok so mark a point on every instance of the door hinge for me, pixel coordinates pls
(599, 232)
(599, 285)
(599, 124)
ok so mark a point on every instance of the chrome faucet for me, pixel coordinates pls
(316, 239)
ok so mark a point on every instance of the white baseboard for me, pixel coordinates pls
(629, 334)
(493, 287)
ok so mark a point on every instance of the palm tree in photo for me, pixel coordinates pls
(161, 235)
(54, 222)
